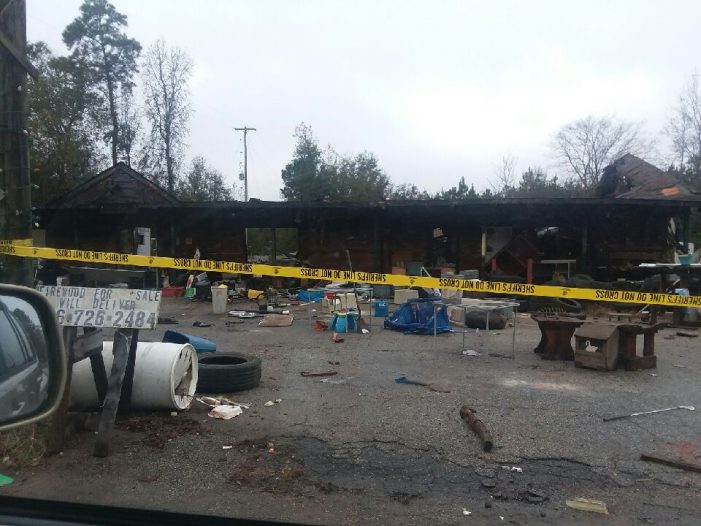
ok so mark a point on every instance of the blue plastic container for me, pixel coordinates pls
(381, 308)
(201, 345)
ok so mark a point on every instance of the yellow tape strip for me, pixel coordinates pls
(493, 287)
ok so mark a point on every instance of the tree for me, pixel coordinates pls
(105, 53)
(166, 74)
(407, 192)
(586, 146)
(315, 175)
(684, 131)
(535, 182)
(505, 176)
(301, 177)
(129, 125)
(64, 138)
(202, 183)
(461, 191)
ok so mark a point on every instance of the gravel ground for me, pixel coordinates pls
(370, 450)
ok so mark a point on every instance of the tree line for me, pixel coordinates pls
(110, 100)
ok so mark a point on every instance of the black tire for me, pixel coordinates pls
(227, 373)
(478, 320)
(539, 303)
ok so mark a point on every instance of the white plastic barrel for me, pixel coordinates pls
(165, 377)
(219, 295)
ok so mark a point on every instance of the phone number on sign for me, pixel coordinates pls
(127, 319)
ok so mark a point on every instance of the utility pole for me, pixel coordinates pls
(15, 186)
(245, 131)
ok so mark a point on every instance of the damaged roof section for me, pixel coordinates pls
(120, 186)
(632, 178)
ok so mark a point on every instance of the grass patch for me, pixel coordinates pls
(23, 446)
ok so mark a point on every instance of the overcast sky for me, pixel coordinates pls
(437, 90)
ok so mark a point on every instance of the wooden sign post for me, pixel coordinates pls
(126, 310)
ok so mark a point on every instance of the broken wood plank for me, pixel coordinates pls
(319, 373)
(680, 464)
(478, 427)
(87, 344)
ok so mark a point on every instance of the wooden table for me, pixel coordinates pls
(627, 333)
(556, 336)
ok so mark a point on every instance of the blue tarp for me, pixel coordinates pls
(416, 317)
(310, 295)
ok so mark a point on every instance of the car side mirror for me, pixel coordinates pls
(33, 361)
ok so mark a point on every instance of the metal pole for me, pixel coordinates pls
(245, 131)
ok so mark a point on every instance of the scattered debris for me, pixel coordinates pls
(438, 388)
(653, 374)
(669, 336)
(619, 417)
(163, 320)
(276, 320)
(278, 400)
(478, 427)
(269, 403)
(6, 480)
(470, 352)
(680, 366)
(173, 413)
(201, 324)
(213, 402)
(225, 412)
(465, 512)
(687, 334)
(244, 314)
(319, 373)
(686, 466)
(513, 468)
(334, 363)
(595, 506)
(320, 326)
(335, 381)
(227, 447)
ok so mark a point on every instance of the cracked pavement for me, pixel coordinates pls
(371, 451)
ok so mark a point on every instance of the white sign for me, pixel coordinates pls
(118, 308)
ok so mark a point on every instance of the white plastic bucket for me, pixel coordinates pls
(219, 295)
(165, 377)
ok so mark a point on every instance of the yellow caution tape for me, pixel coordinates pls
(492, 287)
(21, 242)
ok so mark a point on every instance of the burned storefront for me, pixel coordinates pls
(640, 215)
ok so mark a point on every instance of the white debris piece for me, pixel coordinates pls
(225, 412)
(269, 403)
(465, 512)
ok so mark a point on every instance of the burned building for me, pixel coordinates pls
(640, 214)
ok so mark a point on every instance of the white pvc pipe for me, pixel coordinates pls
(165, 377)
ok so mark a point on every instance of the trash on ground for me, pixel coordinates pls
(680, 366)
(320, 326)
(513, 468)
(173, 413)
(213, 402)
(225, 412)
(201, 324)
(276, 320)
(438, 388)
(365, 331)
(465, 512)
(227, 447)
(653, 374)
(680, 464)
(269, 403)
(418, 316)
(278, 400)
(595, 506)
(470, 352)
(478, 427)
(318, 373)
(335, 381)
(5, 480)
(619, 417)
(243, 314)
(334, 363)
(687, 334)
(163, 320)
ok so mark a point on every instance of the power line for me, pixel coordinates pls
(245, 131)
